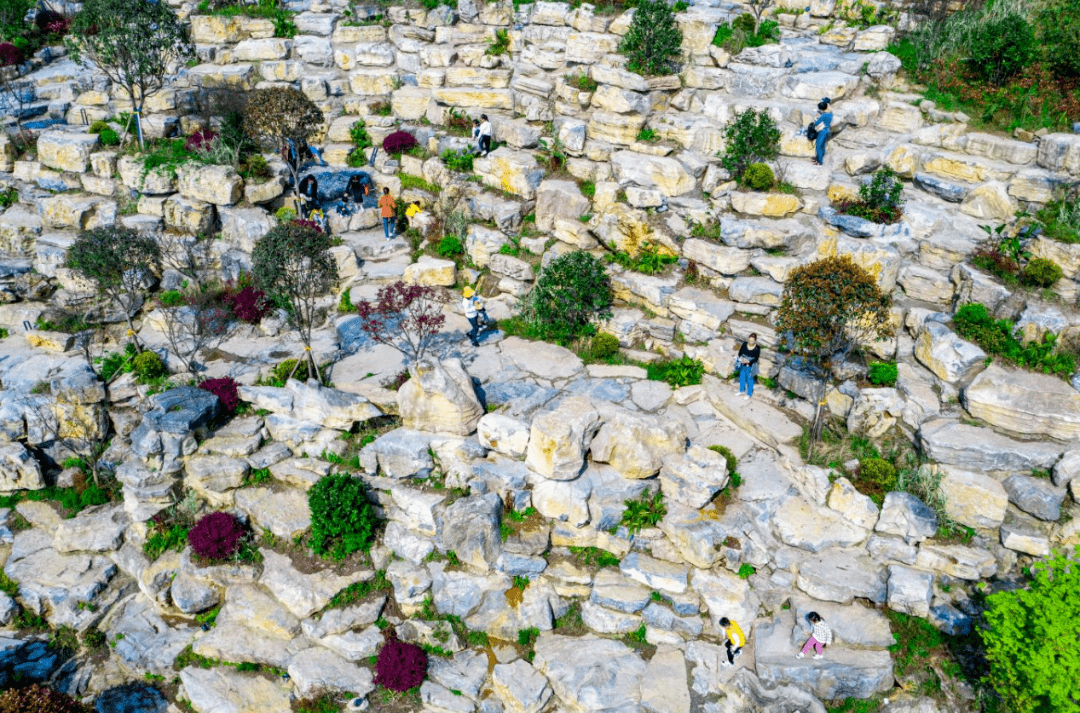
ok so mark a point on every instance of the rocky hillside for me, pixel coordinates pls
(558, 533)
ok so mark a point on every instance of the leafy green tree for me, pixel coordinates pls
(653, 40)
(999, 49)
(829, 308)
(136, 43)
(283, 119)
(13, 18)
(293, 265)
(572, 291)
(118, 260)
(1057, 24)
(1033, 639)
(752, 138)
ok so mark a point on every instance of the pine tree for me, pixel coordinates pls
(653, 39)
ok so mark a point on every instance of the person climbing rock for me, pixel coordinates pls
(736, 640)
(485, 135)
(472, 306)
(823, 125)
(746, 363)
(386, 211)
(819, 639)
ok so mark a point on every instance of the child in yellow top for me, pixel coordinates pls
(736, 640)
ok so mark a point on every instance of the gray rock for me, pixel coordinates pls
(973, 499)
(26, 660)
(143, 641)
(319, 669)
(440, 398)
(225, 690)
(609, 621)
(470, 527)
(905, 515)
(590, 674)
(520, 687)
(952, 192)
(1036, 496)
(1068, 468)
(614, 590)
(910, 590)
(192, 596)
(335, 621)
(355, 645)
(131, 698)
(660, 617)
(950, 620)
(559, 439)
(9, 608)
(839, 575)
(304, 594)
(693, 478)
(851, 623)
(181, 409)
(959, 561)
(1024, 534)
(852, 225)
(981, 449)
(803, 524)
(19, 470)
(440, 698)
(663, 687)
(465, 671)
(98, 529)
(401, 453)
(654, 573)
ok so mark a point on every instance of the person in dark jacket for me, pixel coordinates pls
(747, 364)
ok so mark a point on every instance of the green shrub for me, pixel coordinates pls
(1057, 25)
(342, 518)
(449, 247)
(1033, 638)
(98, 126)
(460, 161)
(604, 346)
(572, 291)
(282, 371)
(172, 298)
(499, 44)
(359, 135)
(1040, 272)
(588, 189)
(739, 34)
(109, 137)
(149, 366)
(653, 40)
(644, 512)
(997, 337)
(744, 23)
(879, 472)
(752, 138)
(759, 177)
(880, 373)
(999, 49)
(683, 371)
(880, 199)
(1061, 217)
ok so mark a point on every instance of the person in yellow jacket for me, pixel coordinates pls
(736, 640)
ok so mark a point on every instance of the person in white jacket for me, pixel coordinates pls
(485, 135)
(472, 306)
(819, 639)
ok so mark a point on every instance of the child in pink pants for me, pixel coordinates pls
(819, 639)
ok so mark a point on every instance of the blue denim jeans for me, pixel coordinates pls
(746, 380)
(474, 322)
(386, 222)
(819, 147)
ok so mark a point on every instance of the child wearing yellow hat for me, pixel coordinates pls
(472, 305)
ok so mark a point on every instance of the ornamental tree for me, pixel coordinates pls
(136, 43)
(752, 138)
(405, 317)
(283, 119)
(1033, 639)
(653, 40)
(829, 308)
(293, 265)
(572, 291)
(118, 260)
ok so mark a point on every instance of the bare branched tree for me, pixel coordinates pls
(201, 324)
(80, 428)
(187, 254)
(758, 8)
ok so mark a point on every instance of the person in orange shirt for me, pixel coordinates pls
(386, 211)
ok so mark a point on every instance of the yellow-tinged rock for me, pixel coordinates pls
(903, 159)
(50, 341)
(1066, 255)
(769, 205)
(431, 272)
(797, 146)
(838, 192)
(372, 82)
(990, 201)
(477, 98)
(215, 29)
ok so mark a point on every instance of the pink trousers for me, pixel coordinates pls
(818, 646)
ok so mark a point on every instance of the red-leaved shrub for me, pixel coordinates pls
(216, 536)
(39, 699)
(398, 142)
(248, 304)
(401, 666)
(45, 18)
(199, 140)
(10, 54)
(225, 389)
(308, 224)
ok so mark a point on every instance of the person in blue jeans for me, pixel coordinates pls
(747, 364)
(823, 125)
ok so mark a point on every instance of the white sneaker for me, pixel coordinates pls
(818, 656)
(799, 655)
(725, 664)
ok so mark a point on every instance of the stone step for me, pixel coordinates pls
(766, 423)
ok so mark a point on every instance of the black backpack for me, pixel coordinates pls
(811, 131)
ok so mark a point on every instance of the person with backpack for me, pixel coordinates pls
(819, 130)
(473, 307)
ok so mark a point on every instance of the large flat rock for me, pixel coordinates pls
(1024, 402)
(766, 423)
(981, 449)
(225, 690)
(590, 674)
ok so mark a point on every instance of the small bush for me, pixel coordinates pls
(1057, 25)
(998, 337)
(249, 304)
(254, 165)
(644, 512)
(880, 199)
(683, 371)
(460, 161)
(39, 699)
(500, 44)
(759, 177)
(359, 135)
(999, 49)
(398, 143)
(282, 371)
(172, 298)
(149, 366)
(880, 373)
(97, 127)
(878, 472)
(225, 389)
(401, 666)
(342, 518)
(449, 247)
(1040, 272)
(109, 137)
(200, 140)
(573, 290)
(216, 536)
(604, 346)
(10, 54)
(752, 138)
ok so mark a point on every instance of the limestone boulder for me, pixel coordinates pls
(636, 445)
(220, 185)
(440, 398)
(1024, 402)
(665, 174)
(971, 447)
(520, 687)
(951, 358)
(66, 151)
(226, 690)
(767, 205)
(512, 171)
(503, 434)
(905, 515)
(557, 199)
(312, 403)
(590, 674)
(470, 527)
(802, 524)
(1035, 496)
(694, 477)
(910, 590)
(431, 272)
(559, 438)
(481, 242)
(19, 470)
(972, 498)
